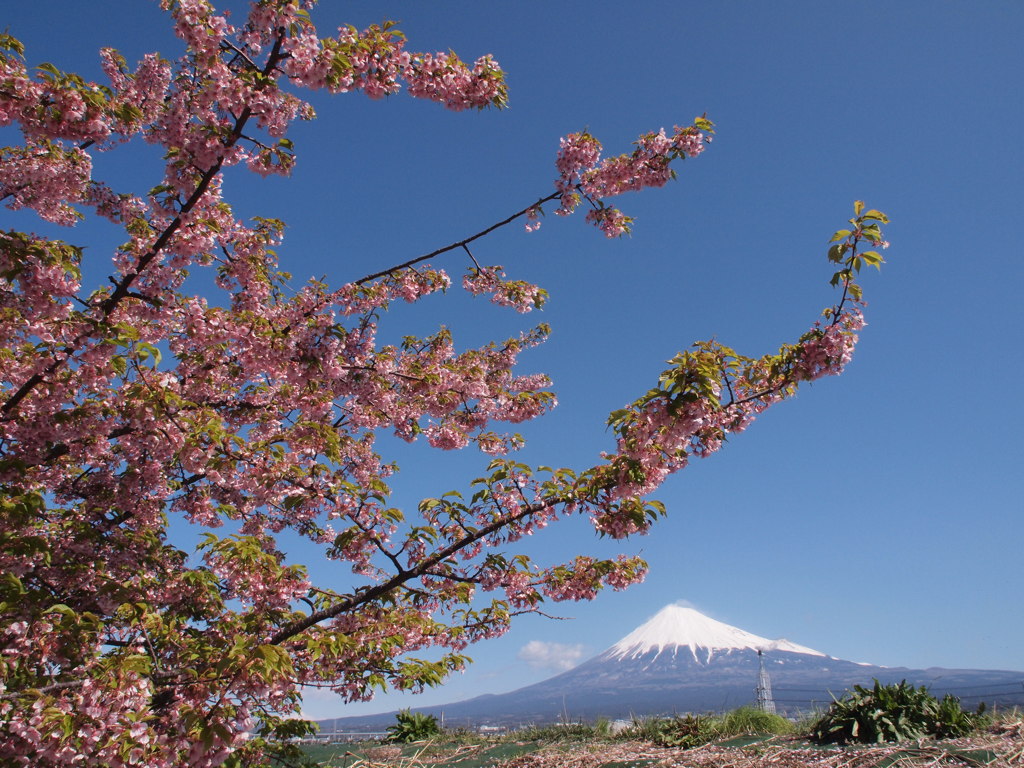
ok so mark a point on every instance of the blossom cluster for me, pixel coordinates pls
(518, 294)
(583, 175)
(375, 61)
(36, 175)
(660, 432)
(712, 392)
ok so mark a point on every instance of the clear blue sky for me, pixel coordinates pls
(876, 517)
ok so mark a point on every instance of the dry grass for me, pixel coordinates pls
(1001, 746)
(427, 755)
(709, 756)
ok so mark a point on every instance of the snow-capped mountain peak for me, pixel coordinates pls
(675, 627)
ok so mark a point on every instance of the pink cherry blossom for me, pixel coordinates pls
(254, 413)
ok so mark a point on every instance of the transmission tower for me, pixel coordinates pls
(765, 702)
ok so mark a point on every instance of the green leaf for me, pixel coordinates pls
(873, 258)
(12, 44)
(145, 351)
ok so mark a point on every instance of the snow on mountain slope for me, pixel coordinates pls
(676, 626)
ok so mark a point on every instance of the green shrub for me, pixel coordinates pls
(557, 732)
(894, 712)
(413, 726)
(640, 728)
(695, 730)
(953, 721)
(685, 731)
(750, 720)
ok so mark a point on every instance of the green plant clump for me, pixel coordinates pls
(413, 726)
(695, 730)
(750, 721)
(560, 732)
(686, 731)
(894, 712)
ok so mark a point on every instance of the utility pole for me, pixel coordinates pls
(765, 702)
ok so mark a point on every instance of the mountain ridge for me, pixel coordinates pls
(683, 661)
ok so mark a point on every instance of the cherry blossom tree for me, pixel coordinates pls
(253, 411)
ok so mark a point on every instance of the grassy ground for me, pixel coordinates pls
(737, 740)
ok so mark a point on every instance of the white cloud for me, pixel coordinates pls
(687, 604)
(558, 657)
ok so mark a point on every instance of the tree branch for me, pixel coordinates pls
(421, 569)
(460, 243)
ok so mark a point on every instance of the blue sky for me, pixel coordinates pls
(877, 516)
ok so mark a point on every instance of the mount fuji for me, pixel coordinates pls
(676, 629)
(683, 661)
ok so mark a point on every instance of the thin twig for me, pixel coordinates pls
(458, 244)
